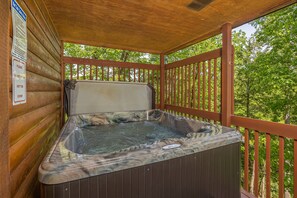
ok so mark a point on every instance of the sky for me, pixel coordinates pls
(247, 28)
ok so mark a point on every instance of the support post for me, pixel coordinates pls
(62, 85)
(227, 75)
(4, 98)
(162, 81)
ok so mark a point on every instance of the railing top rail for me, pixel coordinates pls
(273, 128)
(195, 59)
(196, 112)
(108, 63)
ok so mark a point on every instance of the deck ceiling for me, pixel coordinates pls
(155, 26)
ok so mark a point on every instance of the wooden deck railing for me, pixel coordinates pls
(104, 70)
(252, 127)
(193, 86)
(193, 89)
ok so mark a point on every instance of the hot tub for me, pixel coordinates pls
(141, 153)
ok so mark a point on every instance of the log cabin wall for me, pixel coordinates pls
(34, 126)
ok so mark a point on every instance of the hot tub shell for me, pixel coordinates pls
(205, 165)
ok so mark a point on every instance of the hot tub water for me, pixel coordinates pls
(114, 137)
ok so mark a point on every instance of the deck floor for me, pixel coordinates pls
(245, 194)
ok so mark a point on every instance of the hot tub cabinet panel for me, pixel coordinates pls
(212, 173)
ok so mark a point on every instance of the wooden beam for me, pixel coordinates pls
(227, 74)
(195, 112)
(162, 81)
(4, 97)
(274, 128)
(108, 63)
(195, 59)
(62, 84)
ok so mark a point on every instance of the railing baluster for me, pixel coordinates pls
(256, 157)
(165, 88)
(108, 73)
(199, 86)
(158, 83)
(189, 85)
(204, 86)
(193, 89)
(295, 167)
(143, 75)
(148, 76)
(185, 82)
(91, 76)
(102, 76)
(209, 85)
(138, 75)
(70, 65)
(246, 159)
(268, 187)
(215, 86)
(182, 86)
(84, 66)
(113, 74)
(134, 74)
(173, 79)
(178, 86)
(77, 74)
(124, 75)
(281, 173)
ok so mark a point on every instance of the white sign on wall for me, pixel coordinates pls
(19, 94)
(19, 22)
(19, 54)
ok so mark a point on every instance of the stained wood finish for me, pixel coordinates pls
(267, 166)
(34, 126)
(212, 173)
(268, 129)
(227, 74)
(279, 129)
(150, 26)
(162, 81)
(246, 159)
(256, 178)
(193, 81)
(108, 63)
(195, 112)
(4, 98)
(281, 169)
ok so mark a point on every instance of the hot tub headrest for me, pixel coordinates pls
(98, 96)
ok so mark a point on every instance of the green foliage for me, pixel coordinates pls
(100, 53)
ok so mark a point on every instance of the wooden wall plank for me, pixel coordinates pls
(20, 149)
(35, 125)
(28, 183)
(35, 100)
(4, 97)
(44, 21)
(19, 174)
(20, 125)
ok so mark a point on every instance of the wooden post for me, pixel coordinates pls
(227, 74)
(162, 81)
(62, 85)
(4, 97)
